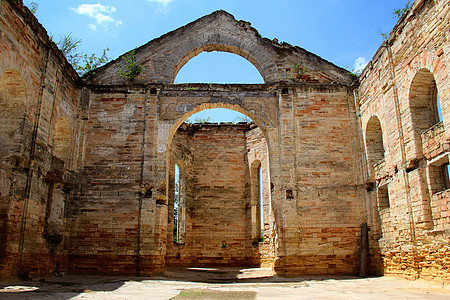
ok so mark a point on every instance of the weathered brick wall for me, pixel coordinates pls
(434, 141)
(86, 171)
(37, 88)
(318, 182)
(115, 214)
(400, 87)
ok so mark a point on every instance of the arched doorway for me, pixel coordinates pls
(213, 194)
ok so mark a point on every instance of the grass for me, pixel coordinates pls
(214, 294)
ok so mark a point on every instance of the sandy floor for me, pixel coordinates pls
(223, 283)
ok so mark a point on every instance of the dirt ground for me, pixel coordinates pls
(222, 283)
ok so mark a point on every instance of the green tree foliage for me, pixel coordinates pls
(244, 119)
(202, 120)
(81, 62)
(33, 7)
(132, 69)
(398, 13)
(69, 45)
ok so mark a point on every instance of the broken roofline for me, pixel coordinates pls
(269, 56)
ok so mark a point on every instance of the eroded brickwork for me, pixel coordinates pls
(407, 198)
(87, 165)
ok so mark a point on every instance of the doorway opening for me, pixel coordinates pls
(219, 198)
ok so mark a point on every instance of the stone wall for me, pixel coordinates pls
(87, 165)
(406, 196)
(39, 92)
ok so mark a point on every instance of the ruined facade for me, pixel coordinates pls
(87, 166)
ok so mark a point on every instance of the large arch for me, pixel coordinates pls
(220, 48)
(254, 255)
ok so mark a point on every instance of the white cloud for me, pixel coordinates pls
(163, 2)
(162, 6)
(100, 13)
(92, 27)
(359, 65)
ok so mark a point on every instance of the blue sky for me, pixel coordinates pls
(344, 32)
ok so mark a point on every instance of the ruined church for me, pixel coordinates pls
(336, 174)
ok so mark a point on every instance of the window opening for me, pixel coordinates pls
(424, 102)
(218, 115)
(439, 174)
(261, 204)
(383, 197)
(175, 203)
(374, 141)
(439, 109)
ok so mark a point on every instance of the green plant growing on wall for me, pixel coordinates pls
(81, 62)
(69, 46)
(202, 120)
(296, 72)
(385, 36)
(190, 89)
(132, 69)
(91, 62)
(33, 7)
(243, 119)
(398, 13)
(353, 72)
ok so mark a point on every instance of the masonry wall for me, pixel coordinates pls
(38, 89)
(318, 184)
(86, 170)
(115, 218)
(406, 202)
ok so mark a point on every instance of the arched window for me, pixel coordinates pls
(256, 200)
(424, 102)
(179, 207)
(374, 141)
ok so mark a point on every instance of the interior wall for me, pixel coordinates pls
(399, 87)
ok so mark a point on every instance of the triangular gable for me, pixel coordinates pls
(162, 58)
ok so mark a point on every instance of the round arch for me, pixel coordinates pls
(220, 48)
(251, 209)
(423, 101)
(430, 68)
(375, 147)
(205, 106)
